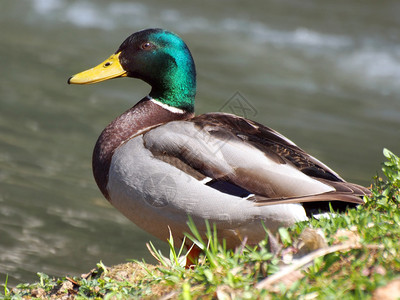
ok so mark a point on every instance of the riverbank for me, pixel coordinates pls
(352, 256)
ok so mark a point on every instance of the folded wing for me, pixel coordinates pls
(246, 159)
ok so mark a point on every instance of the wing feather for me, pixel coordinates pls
(245, 158)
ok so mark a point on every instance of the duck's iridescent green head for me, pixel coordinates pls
(156, 56)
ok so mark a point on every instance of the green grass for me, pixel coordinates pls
(349, 256)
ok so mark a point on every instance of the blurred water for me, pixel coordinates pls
(324, 74)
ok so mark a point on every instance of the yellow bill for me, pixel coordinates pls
(110, 68)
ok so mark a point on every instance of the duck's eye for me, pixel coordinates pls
(107, 64)
(147, 46)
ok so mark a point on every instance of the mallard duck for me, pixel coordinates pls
(158, 163)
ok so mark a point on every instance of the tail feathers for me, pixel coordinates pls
(345, 194)
(326, 197)
(348, 188)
